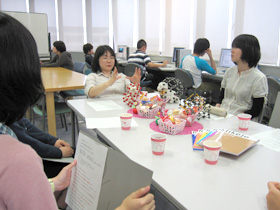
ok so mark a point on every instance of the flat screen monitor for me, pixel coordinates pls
(225, 58)
(174, 53)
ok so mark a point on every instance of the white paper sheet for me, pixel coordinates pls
(104, 105)
(109, 122)
(270, 139)
(84, 190)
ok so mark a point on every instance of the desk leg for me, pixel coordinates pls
(51, 113)
(73, 128)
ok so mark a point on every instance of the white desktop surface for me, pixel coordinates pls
(169, 67)
(217, 77)
(234, 183)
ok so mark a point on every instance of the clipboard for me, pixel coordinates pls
(120, 177)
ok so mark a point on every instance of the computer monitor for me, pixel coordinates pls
(225, 58)
(122, 52)
(180, 54)
(174, 53)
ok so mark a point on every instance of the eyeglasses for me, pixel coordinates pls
(105, 58)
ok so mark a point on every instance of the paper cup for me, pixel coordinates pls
(244, 120)
(211, 151)
(126, 121)
(158, 143)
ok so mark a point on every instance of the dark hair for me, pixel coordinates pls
(20, 70)
(250, 47)
(101, 50)
(87, 47)
(60, 46)
(201, 45)
(141, 43)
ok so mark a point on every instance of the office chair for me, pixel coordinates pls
(61, 109)
(273, 89)
(88, 66)
(78, 67)
(129, 70)
(186, 78)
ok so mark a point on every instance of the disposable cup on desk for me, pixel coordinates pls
(126, 120)
(211, 151)
(244, 121)
(158, 143)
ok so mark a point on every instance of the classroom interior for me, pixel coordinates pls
(164, 24)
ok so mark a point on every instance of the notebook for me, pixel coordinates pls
(232, 142)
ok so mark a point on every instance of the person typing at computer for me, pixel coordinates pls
(140, 57)
(195, 65)
(244, 87)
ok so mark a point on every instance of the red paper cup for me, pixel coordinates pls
(211, 151)
(126, 121)
(244, 120)
(158, 143)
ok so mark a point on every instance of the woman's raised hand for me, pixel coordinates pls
(115, 77)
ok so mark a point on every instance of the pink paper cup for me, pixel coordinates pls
(158, 143)
(211, 151)
(244, 120)
(126, 121)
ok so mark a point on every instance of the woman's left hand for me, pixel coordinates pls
(136, 76)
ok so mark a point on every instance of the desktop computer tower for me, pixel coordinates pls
(180, 53)
(123, 52)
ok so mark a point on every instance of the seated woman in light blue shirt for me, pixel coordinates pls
(105, 79)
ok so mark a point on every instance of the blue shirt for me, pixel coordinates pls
(195, 66)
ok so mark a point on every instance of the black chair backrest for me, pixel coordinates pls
(185, 77)
(129, 69)
(273, 89)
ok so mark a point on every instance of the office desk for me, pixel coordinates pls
(58, 79)
(181, 174)
(215, 78)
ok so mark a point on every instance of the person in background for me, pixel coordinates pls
(46, 145)
(62, 57)
(195, 65)
(23, 182)
(105, 79)
(273, 196)
(88, 50)
(140, 57)
(244, 87)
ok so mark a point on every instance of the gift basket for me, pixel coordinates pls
(160, 102)
(147, 110)
(171, 125)
(150, 107)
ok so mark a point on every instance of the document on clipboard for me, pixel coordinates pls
(103, 177)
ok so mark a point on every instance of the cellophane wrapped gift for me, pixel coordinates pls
(167, 126)
(147, 112)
